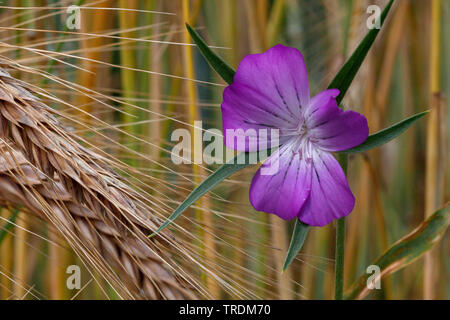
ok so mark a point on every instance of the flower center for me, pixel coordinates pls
(302, 129)
(300, 141)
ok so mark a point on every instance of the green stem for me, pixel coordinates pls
(340, 246)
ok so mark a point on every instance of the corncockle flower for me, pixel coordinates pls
(271, 91)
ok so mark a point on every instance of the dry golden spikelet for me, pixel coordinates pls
(45, 169)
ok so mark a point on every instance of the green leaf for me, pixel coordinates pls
(405, 251)
(221, 67)
(345, 76)
(239, 162)
(384, 136)
(9, 225)
(297, 240)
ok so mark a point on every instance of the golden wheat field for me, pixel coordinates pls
(96, 96)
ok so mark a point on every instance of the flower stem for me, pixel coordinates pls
(340, 250)
(340, 246)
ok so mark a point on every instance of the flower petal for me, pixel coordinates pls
(245, 112)
(269, 90)
(282, 184)
(330, 197)
(320, 100)
(333, 129)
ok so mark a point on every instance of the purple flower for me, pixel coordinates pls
(271, 91)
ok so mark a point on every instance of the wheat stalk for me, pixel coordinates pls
(44, 169)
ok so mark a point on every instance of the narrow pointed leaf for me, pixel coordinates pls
(8, 225)
(348, 71)
(297, 240)
(221, 67)
(405, 251)
(238, 163)
(384, 136)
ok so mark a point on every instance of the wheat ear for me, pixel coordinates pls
(44, 169)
